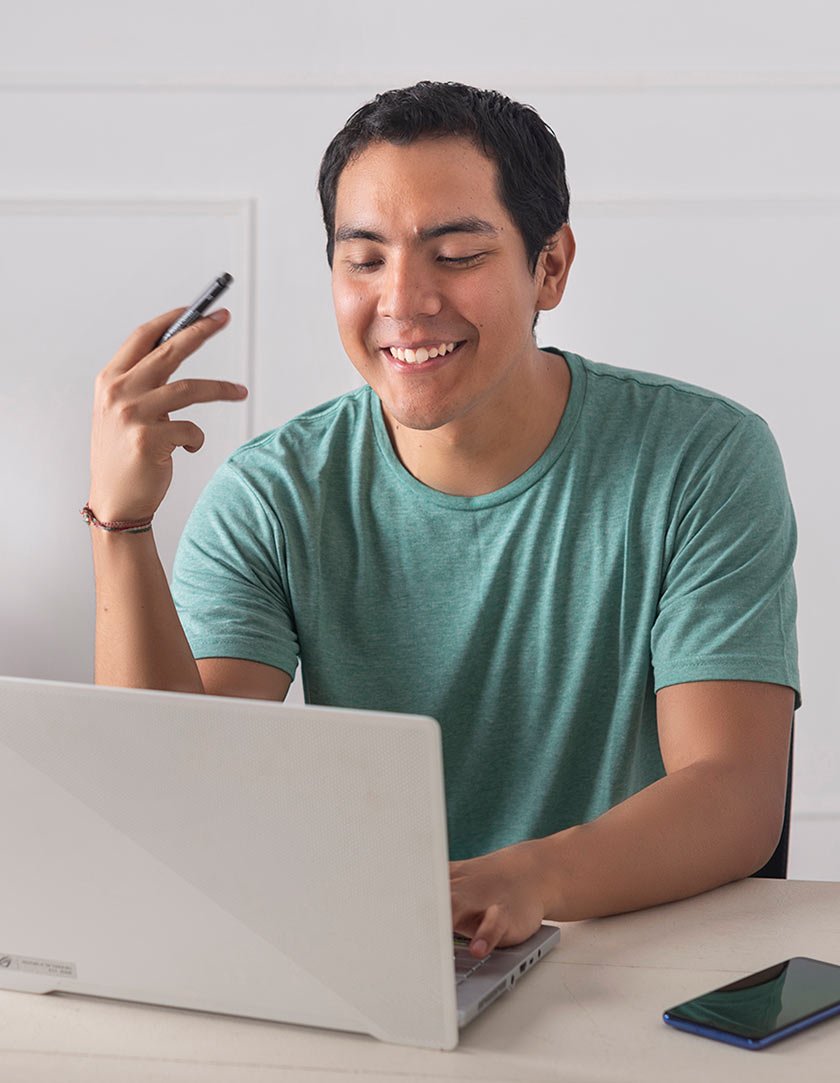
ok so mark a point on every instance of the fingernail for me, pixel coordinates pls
(480, 946)
(220, 316)
(241, 388)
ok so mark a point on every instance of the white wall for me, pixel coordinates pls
(147, 148)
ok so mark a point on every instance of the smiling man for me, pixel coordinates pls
(583, 572)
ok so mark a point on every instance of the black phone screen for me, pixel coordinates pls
(768, 1001)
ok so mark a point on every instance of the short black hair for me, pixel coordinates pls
(529, 160)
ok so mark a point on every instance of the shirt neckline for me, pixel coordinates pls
(514, 488)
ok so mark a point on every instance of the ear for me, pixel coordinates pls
(553, 267)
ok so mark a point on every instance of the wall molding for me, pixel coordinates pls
(798, 205)
(45, 203)
(583, 82)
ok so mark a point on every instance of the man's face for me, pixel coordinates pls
(426, 256)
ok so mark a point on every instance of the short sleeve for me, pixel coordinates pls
(229, 579)
(727, 607)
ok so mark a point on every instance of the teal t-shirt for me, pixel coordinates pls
(651, 544)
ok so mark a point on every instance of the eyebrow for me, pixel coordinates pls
(468, 224)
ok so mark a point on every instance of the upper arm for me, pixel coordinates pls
(230, 588)
(727, 604)
(743, 727)
(243, 678)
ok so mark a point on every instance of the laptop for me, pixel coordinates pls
(237, 856)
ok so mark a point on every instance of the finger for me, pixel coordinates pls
(185, 434)
(156, 368)
(142, 341)
(181, 393)
(490, 931)
(465, 918)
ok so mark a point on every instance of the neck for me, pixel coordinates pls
(495, 442)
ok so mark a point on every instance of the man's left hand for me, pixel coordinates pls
(497, 899)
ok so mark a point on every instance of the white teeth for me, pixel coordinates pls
(421, 354)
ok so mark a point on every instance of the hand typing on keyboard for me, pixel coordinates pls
(496, 898)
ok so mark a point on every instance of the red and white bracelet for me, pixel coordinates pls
(119, 526)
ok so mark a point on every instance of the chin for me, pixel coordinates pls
(426, 412)
(416, 420)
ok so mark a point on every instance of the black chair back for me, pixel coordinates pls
(776, 867)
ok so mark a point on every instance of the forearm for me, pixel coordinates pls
(715, 817)
(140, 642)
(691, 831)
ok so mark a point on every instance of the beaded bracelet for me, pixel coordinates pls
(120, 526)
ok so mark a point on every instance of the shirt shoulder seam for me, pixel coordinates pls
(316, 414)
(695, 393)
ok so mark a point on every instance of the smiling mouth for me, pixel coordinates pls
(423, 353)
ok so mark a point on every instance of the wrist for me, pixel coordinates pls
(553, 875)
(117, 525)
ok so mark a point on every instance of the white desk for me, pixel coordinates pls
(591, 1011)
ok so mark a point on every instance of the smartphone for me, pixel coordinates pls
(764, 1007)
(199, 306)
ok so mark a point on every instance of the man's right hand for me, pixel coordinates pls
(133, 438)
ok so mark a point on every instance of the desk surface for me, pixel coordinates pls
(591, 1011)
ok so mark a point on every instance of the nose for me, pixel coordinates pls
(408, 289)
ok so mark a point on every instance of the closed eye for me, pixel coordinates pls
(361, 266)
(464, 261)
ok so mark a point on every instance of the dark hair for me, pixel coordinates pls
(529, 160)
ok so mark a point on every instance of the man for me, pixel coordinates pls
(584, 573)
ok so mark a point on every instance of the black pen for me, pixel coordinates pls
(199, 306)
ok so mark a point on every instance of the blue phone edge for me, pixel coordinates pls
(752, 1043)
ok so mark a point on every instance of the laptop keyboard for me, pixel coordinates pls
(465, 964)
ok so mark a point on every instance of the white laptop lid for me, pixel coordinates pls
(224, 854)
